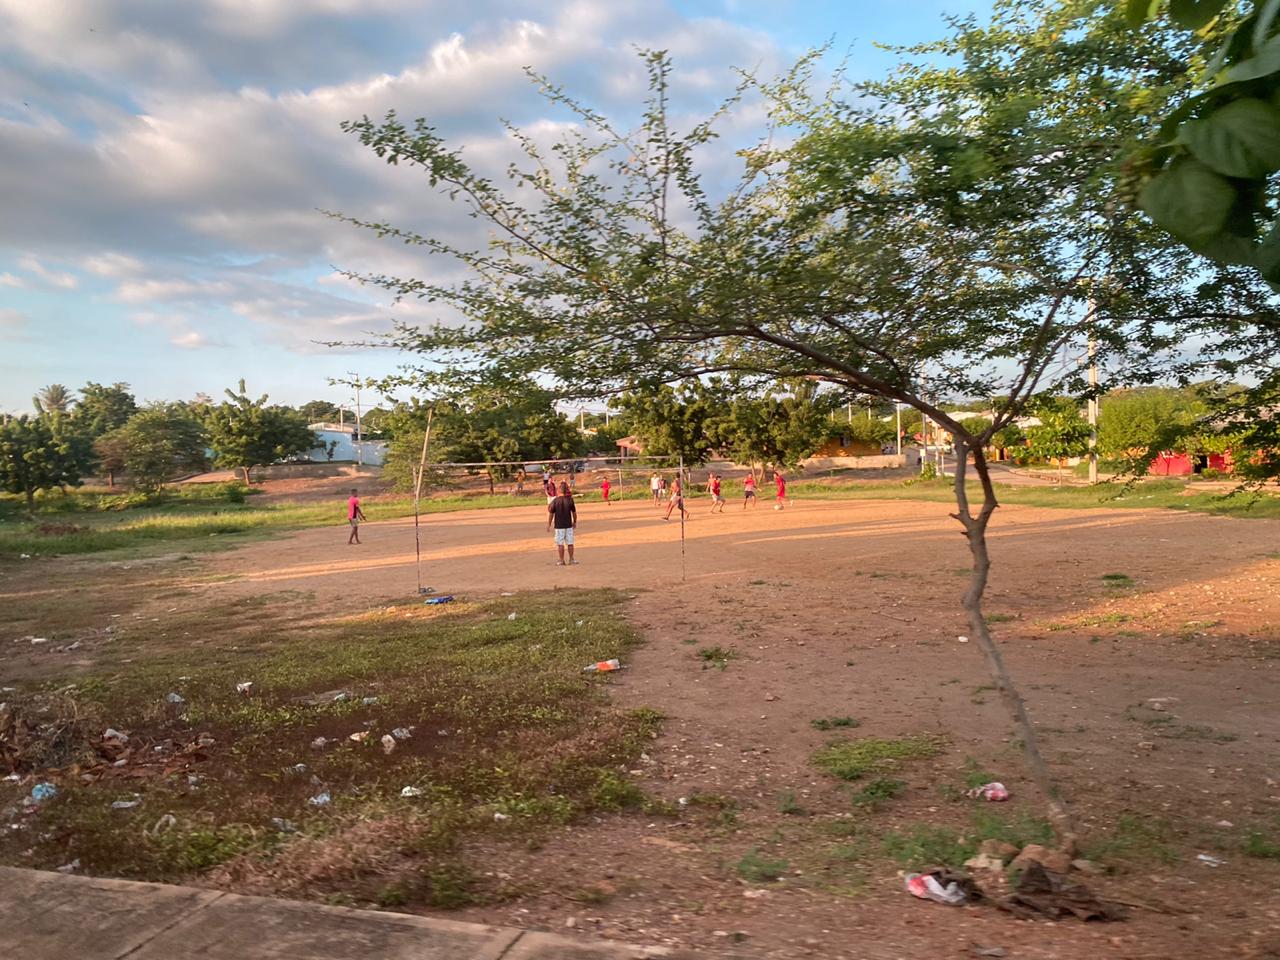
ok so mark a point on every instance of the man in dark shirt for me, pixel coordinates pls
(564, 514)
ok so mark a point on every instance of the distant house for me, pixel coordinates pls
(344, 445)
(846, 446)
(630, 447)
(1171, 464)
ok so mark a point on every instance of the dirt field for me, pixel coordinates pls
(837, 609)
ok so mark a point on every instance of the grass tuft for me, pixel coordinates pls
(854, 759)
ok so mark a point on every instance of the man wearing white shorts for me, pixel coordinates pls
(563, 514)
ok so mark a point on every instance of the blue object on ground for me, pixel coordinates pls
(435, 600)
(43, 791)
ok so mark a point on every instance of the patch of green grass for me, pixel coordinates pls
(928, 845)
(1000, 617)
(854, 759)
(501, 720)
(1019, 829)
(1117, 579)
(1134, 839)
(1146, 495)
(876, 794)
(755, 867)
(1261, 845)
(788, 804)
(832, 723)
(716, 656)
(975, 775)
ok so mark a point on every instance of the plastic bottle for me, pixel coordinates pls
(603, 666)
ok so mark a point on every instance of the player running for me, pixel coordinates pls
(749, 491)
(604, 490)
(677, 499)
(717, 500)
(781, 482)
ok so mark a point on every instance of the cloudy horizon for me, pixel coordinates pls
(163, 166)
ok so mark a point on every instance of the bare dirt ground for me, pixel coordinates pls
(850, 608)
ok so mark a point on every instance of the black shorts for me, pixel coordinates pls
(749, 495)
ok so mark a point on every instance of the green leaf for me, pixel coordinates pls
(1266, 17)
(1241, 139)
(1189, 200)
(1265, 62)
(1194, 14)
(1138, 12)
(1267, 255)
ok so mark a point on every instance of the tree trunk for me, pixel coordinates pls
(248, 482)
(489, 471)
(111, 478)
(31, 499)
(975, 528)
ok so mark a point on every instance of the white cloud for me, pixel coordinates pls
(9, 280)
(113, 265)
(54, 278)
(192, 340)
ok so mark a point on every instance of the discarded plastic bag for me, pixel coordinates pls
(411, 792)
(994, 791)
(401, 733)
(174, 698)
(943, 886)
(43, 791)
(388, 743)
(603, 666)
(244, 687)
(359, 736)
(433, 601)
(320, 799)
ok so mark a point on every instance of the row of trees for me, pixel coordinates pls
(105, 430)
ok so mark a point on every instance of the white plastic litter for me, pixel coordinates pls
(388, 743)
(174, 698)
(244, 687)
(401, 733)
(410, 792)
(320, 799)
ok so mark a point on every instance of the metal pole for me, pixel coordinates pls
(897, 415)
(1093, 396)
(417, 494)
(683, 495)
(849, 411)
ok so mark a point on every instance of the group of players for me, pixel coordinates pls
(674, 493)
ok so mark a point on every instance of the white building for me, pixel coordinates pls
(344, 445)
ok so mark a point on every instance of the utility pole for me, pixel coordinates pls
(358, 437)
(897, 416)
(582, 419)
(1093, 396)
(849, 411)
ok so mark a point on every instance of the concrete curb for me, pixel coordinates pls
(50, 916)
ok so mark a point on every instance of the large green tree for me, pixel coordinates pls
(934, 234)
(480, 424)
(157, 444)
(676, 422)
(245, 433)
(1061, 434)
(37, 453)
(103, 408)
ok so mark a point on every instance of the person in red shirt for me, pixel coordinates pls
(354, 516)
(749, 491)
(782, 488)
(716, 499)
(604, 489)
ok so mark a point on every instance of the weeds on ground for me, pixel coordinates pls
(876, 794)
(1134, 839)
(716, 656)
(832, 723)
(504, 732)
(788, 804)
(758, 868)
(854, 759)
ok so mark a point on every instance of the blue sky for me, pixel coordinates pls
(161, 164)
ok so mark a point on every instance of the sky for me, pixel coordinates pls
(163, 165)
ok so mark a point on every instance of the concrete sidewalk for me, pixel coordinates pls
(49, 916)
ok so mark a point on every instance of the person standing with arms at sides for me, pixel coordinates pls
(782, 489)
(654, 485)
(749, 491)
(549, 488)
(677, 499)
(563, 514)
(354, 516)
(716, 499)
(604, 489)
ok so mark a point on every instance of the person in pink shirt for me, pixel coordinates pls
(604, 489)
(749, 491)
(782, 489)
(354, 516)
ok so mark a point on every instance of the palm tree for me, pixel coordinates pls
(53, 398)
